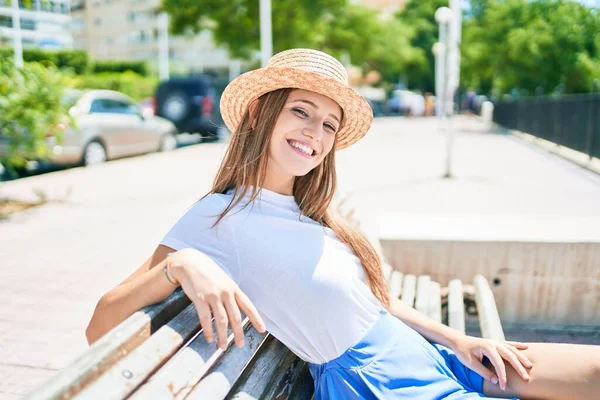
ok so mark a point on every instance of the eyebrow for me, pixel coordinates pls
(315, 106)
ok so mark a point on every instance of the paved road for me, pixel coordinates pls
(58, 259)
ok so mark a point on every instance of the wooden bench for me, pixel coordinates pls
(158, 353)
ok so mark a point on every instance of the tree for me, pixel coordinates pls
(235, 23)
(329, 25)
(531, 44)
(30, 100)
(420, 16)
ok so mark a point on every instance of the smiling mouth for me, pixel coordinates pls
(302, 149)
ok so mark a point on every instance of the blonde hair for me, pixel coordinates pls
(244, 168)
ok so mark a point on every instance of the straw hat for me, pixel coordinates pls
(300, 69)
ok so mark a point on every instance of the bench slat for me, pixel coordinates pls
(189, 366)
(266, 370)
(125, 376)
(489, 319)
(456, 306)
(409, 288)
(395, 286)
(304, 387)
(435, 301)
(111, 348)
(422, 300)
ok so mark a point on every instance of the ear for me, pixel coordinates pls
(252, 112)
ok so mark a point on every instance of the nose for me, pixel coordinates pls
(314, 130)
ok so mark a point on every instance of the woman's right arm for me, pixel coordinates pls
(210, 289)
(147, 285)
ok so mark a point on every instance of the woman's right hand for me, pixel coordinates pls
(213, 292)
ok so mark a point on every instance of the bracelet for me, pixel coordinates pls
(166, 271)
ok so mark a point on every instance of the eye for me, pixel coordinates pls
(331, 127)
(300, 111)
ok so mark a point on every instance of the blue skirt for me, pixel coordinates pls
(393, 361)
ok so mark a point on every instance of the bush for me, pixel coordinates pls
(75, 60)
(30, 100)
(139, 67)
(130, 83)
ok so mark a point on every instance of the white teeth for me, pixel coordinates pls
(305, 149)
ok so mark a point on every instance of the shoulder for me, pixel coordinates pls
(210, 204)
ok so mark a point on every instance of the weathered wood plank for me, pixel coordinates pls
(435, 302)
(489, 319)
(304, 387)
(456, 305)
(409, 289)
(257, 379)
(183, 375)
(111, 348)
(124, 377)
(423, 294)
(395, 286)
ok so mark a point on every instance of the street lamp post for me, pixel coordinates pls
(266, 34)
(16, 21)
(439, 51)
(443, 16)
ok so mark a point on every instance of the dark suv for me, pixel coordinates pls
(191, 104)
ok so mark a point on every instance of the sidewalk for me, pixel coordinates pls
(58, 259)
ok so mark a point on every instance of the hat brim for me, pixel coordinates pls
(247, 87)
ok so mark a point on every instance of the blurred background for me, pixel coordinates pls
(483, 156)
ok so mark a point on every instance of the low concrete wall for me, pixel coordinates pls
(535, 283)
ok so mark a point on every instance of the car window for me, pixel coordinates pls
(112, 106)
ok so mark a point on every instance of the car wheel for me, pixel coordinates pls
(168, 142)
(94, 153)
(175, 107)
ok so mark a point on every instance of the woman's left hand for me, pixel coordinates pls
(471, 350)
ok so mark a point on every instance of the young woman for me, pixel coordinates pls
(264, 242)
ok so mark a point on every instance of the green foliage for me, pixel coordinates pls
(30, 100)
(525, 45)
(420, 16)
(329, 25)
(130, 83)
(235, 24)
(75, 60)
(139, 67)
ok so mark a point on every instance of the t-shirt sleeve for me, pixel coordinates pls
(195, 230)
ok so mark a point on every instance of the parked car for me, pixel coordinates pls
(108, 125)
(190, 103)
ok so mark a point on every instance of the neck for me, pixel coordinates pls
(279, 183)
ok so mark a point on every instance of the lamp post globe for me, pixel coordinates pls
(443, 15)
(438, 49)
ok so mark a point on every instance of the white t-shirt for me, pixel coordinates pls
(309, 288)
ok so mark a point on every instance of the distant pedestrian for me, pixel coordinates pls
(429, 104)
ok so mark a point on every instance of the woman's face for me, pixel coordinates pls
(304, 133)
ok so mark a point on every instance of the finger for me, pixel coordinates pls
(494, 357)
(235, 320)
(221, 323)
(521, 356)
(205, 317)
(518, 345)
(248, 308)
(484, 372)
(511, 357)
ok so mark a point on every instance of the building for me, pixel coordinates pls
(128, 30)
(44, 25)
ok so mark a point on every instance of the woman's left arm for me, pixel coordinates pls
(469, 350)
